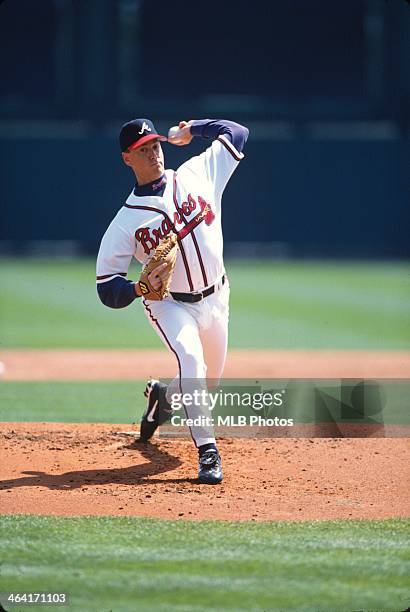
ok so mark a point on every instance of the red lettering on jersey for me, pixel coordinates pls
(143, 236)
(178, 217)
(166, 226)
(157, 235)
(150, 239)
(207, 213)
(192, 203)
(186, 209)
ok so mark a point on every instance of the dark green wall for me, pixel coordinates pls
(332, 198)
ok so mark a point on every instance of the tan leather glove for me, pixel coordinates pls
(163, 259)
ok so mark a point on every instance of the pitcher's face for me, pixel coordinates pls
(147, 161)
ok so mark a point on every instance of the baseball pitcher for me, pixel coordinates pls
(171, 223)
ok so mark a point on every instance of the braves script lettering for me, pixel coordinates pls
(150, 238)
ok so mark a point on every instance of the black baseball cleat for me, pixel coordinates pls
(210, 467)
(158, 409)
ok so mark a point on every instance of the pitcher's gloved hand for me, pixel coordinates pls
(156, 275)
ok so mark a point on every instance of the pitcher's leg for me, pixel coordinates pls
(214, 336)
(179, 331)
(215, 346)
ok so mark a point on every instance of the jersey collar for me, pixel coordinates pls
(155, 188)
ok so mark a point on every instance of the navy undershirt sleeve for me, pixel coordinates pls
(116, 293)
(212, 128)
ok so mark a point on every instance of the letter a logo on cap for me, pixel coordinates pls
(146, 127)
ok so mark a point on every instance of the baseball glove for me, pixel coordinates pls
(165, 253)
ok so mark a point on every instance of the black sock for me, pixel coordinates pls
(204, 447)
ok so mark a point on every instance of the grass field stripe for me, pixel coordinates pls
(172, 566)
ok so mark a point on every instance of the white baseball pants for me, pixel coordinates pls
(197, 334)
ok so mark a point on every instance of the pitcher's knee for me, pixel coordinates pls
(192, 366)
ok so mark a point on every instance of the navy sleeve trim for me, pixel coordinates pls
(106, 276)
(212, 129)
(116, 293)
(229, 147)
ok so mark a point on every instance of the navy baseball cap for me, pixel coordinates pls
(137, 132)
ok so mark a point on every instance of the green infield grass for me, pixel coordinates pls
(72, 402)
(124, 402)
(273, 305)
(133, 564)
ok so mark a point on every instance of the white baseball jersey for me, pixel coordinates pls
(189, 206)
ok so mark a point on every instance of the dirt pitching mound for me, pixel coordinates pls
(67, 469)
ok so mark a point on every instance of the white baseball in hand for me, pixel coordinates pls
(173, 132)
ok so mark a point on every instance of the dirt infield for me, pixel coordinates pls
(132, 364)
(98, 469)
(73, 469)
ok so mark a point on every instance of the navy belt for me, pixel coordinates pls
(196, 297)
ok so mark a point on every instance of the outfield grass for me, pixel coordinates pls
(72, 402)
(145, 564)
(273, 305)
